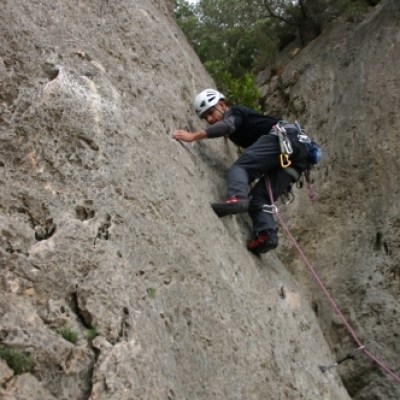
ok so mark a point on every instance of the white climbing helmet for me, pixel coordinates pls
(206, 99)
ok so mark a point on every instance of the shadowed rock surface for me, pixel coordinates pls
(345, 88)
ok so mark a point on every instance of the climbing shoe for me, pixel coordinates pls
(264, 242)
(232, 206)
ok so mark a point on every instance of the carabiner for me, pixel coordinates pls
(269, 209)
(280, 128)
(289, 198)
(283, 161)
(288, 147)
(303, 138)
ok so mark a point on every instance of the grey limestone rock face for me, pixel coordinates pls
(106, 229)
(344, 88)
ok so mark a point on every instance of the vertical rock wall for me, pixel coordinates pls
(116, 278)
(345, 88)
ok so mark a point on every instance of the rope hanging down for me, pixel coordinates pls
(316, 277)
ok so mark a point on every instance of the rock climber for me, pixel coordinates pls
(254, 132)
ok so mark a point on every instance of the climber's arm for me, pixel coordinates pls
(185, 136)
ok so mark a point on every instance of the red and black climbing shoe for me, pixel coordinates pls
(232, 206)
(264, 242)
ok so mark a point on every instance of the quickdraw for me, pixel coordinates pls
(349, 356)
(286, 149)
(286, 146)
(287, 197)
(302, 135)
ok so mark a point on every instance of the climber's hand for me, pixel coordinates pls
(184, 136)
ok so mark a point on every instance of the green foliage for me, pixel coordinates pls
(19, 131)
(307, 17)
(350, 9)
(188, 20)
(242, 91)
(237, 32)
(68, 334)
(229, 31)
(229, 38)
(237, 90)
(151, 293)
(91, 334)
(234, 38)
(18, 361)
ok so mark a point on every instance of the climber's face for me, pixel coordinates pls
(216, 113)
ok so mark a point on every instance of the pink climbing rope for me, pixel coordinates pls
(333, 303)
(311, 194)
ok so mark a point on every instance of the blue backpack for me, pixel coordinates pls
(314, 153)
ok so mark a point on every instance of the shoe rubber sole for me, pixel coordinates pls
(271, 244)
(222, 209)
(263, 249)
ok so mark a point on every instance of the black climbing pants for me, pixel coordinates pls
(263, 157)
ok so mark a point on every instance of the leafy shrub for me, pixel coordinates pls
(242, 91)
(69, 334)
(91, 334)
(18, 361)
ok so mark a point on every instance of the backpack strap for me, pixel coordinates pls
(293, 173)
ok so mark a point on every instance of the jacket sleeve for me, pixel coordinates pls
(222, 128)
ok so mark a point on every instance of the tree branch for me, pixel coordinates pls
(276, 16)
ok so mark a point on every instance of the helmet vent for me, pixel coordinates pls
(206, 99)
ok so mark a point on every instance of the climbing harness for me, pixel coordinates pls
(314, 155)
(279, 130)
(286, 149)
(322, 286)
